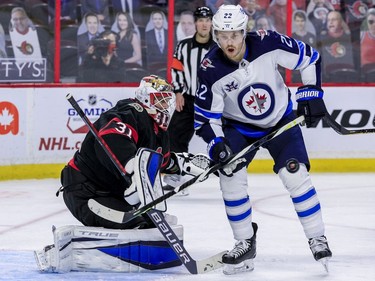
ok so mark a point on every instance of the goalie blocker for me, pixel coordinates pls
(80, 248)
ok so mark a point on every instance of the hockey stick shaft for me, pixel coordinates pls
(193, 266)
(342, 130)
(97, 136)
(218, 166)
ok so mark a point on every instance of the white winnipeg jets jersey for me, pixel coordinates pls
(252, 92)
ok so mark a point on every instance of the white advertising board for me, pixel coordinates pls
(353, 107)
(42, 127)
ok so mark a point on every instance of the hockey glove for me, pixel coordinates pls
(185, 166)
(310, 104)
(184, 163)
(219, 150)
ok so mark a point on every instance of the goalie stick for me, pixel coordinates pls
(193, 266)
(342, 130)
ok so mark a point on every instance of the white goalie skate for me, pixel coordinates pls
(241, 257)
(320, 250)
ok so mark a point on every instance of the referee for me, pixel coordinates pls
(186, 60)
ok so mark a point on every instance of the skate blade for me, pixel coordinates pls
(230, 269)
(324, 262)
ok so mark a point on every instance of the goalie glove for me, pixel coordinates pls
(189, 165)
(310, 104)
(184, 163)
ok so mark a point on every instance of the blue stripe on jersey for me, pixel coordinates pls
(207, 114)
(305, 196)
(240, 217)
(301, 47)
(308, 51)
(309, 212)
(235, 203)
(314, 56)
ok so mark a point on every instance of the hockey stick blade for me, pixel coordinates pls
(203, 176)
(342, 130)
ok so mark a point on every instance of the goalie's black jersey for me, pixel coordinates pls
(125, 128)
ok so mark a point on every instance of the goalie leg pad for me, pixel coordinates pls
(108, 250)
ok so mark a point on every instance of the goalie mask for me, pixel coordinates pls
(157, 97)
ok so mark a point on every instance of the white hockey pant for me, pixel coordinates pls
(305, 200)
(237, 204)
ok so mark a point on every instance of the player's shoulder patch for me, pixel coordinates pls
(262, 33)
(137, 106)
(206, 63)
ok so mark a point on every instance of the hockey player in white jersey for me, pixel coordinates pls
(243, 97)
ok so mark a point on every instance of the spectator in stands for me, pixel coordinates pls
(128, 43)
(186, 26)
(101, 63)
(99, 7)
(89, 29)
(355, 12)
(277, 11)
(368, 41)
(132, 7)
(156, 40)
(68, 11)
(317, 11)
(3, 53)
(263, 22)
(253, 11)
(335, 45)
(300, 29)
(23, 35)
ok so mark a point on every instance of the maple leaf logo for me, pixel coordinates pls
(257, 102)
(6, 118)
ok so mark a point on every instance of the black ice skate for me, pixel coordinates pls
(320, 250)
(240, 259)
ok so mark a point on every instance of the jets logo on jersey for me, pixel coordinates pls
(231, 86)
(256, 101)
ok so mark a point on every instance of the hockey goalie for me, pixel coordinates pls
(103, 197)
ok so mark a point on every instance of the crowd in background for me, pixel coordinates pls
(343, 32)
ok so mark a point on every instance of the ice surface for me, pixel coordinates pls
(29, 208)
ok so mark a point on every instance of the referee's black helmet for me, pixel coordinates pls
(203, 12)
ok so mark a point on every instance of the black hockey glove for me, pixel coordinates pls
(310, 104)
(219, 151)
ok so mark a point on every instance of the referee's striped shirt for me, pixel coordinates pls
(186, 60)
